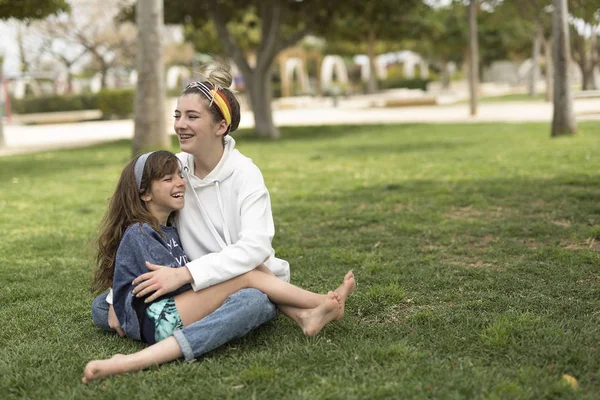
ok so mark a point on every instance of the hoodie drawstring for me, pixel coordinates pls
(225, 228)
(211, 227)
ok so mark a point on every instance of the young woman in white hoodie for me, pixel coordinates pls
(226, 227)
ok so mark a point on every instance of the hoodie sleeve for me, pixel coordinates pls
(254, 239)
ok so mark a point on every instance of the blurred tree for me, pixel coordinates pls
(54, 36)
(372, 22)
(454, 34)
(563, 119)
(150, 125)
(110, 42)
(442, 36)
(27, 10)
(90, 28)
(204, 38)
(31, 9)
(281, 24)
(445, 35)
(473, 56)
(24, 55)
(584, 42)
(530, 21)
(246, 30)
(179, 54)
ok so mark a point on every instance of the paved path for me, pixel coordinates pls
(30, 138)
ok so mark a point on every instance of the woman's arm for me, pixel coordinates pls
(252, 248)
(160, 280)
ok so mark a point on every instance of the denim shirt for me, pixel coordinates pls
(141, 243)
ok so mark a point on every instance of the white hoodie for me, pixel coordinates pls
(226, 226)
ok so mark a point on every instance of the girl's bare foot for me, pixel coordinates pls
(100, 368)
(344, 290)
(315, 319)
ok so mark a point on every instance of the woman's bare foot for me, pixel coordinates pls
(100, 368)
(313, 320)
(344, 290)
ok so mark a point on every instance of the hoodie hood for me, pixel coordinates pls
(223, 170)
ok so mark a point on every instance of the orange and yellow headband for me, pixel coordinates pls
(216, 97)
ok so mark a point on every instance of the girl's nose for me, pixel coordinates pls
(179, 123)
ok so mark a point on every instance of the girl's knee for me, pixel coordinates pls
(100, 312)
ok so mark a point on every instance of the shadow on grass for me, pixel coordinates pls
(542, 209)
(571, 188)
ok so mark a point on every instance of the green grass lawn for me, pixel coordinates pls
(476, 250)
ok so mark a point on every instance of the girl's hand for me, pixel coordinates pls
(113, 322)
(160, 280)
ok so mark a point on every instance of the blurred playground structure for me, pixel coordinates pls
(300, 78)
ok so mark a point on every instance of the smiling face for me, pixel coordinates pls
(165, 196)
(198, 132)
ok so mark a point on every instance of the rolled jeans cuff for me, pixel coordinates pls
(184, 345)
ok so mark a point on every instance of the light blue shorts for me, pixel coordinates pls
(164, 318)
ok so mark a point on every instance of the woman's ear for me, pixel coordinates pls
(222, 129)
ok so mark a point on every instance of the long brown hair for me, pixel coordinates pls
(126, 208)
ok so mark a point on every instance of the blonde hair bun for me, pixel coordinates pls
(219, 74)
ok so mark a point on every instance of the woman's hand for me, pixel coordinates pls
(160, 280)
(113, 322)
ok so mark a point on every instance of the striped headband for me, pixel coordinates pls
(214, 95)
(138, 169)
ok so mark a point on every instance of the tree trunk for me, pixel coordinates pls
(582, 60)
(21, 45)
(563, 119)
(535, 58)
(69, 81)
(445, 72)
(258, 77)
(593, 58)
(2, 141)
(549, 69)
(150, 125)
(587, 77)
(260, 95)
(103, 74)
(372, 54)
(473, 56)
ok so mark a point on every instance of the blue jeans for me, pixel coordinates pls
(241, 312)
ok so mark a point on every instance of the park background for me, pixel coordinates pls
(475, 245)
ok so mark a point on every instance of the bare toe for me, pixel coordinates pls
(89, 373)
(334, 295)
